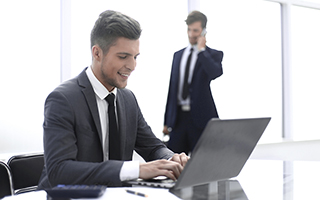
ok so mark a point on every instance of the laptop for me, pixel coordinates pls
(218, 190)
(220, 153)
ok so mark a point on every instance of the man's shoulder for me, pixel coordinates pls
(213, 50)
(67, 86)
(125, 94)
(180, 51)
(73, 86)
(124, 91)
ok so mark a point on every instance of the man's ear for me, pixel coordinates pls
(96, 53)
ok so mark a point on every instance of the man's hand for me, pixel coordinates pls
(169, 168)
(156, 168)
(181, 158)
(165, 130)
(201, 43)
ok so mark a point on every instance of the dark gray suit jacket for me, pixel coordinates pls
(72, 136)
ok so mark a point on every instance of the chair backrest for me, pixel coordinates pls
(5, 180)
(26, 170)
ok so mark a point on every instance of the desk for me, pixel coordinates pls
(111, 193)
(264, 180)
(258, 180)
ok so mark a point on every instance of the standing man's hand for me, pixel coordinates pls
(201, 42)
(165, 130)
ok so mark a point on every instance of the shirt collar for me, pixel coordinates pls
(195, 47)
(97, 86)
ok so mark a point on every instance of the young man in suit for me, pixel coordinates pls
(82, 145)
(190, 103)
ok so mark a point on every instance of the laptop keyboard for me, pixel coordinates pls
(162, 183)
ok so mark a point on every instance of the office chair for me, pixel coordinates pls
(5, 180)
(26, 170)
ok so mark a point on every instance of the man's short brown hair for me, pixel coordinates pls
(196, 16)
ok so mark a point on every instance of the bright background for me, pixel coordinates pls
(46, 42)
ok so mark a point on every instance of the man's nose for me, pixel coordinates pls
(192, 33)
(131, 65)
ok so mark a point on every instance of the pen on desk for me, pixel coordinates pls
(137, 193)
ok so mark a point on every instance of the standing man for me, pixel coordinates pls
(92, 123)
(190, 104)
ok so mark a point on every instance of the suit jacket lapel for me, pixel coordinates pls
(176, 69)
(196, 68)
(179, 56)
(91, 100)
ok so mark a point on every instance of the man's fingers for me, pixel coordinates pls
(169, 174)
(171, 169)
(184, 160)
(160, 168)
(174, 167)
(180, 158)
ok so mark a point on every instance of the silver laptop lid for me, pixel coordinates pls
(222, 150)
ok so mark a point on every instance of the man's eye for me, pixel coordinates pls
(122, 57)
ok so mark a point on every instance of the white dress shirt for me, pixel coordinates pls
(130, 169)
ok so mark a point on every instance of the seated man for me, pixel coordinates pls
(84, 141)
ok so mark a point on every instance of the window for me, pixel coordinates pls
(249, 34)
(247, 31)
(30, 56)
(305, 73)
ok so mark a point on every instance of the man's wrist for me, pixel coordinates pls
(202, 49)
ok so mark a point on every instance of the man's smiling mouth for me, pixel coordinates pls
(126, 75)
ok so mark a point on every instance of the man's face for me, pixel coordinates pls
(194, 32)
(117, 65)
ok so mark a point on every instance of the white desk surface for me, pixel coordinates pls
(259, 180)
(110, 193)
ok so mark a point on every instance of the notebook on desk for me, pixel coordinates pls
(220, 154)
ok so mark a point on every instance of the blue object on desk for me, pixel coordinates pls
(76, 191)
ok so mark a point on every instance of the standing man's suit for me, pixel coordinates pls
(202, 107)
(72, 136)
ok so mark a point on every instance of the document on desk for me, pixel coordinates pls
(110, 194)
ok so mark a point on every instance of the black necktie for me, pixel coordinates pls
(185, 89)
(114, 137)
